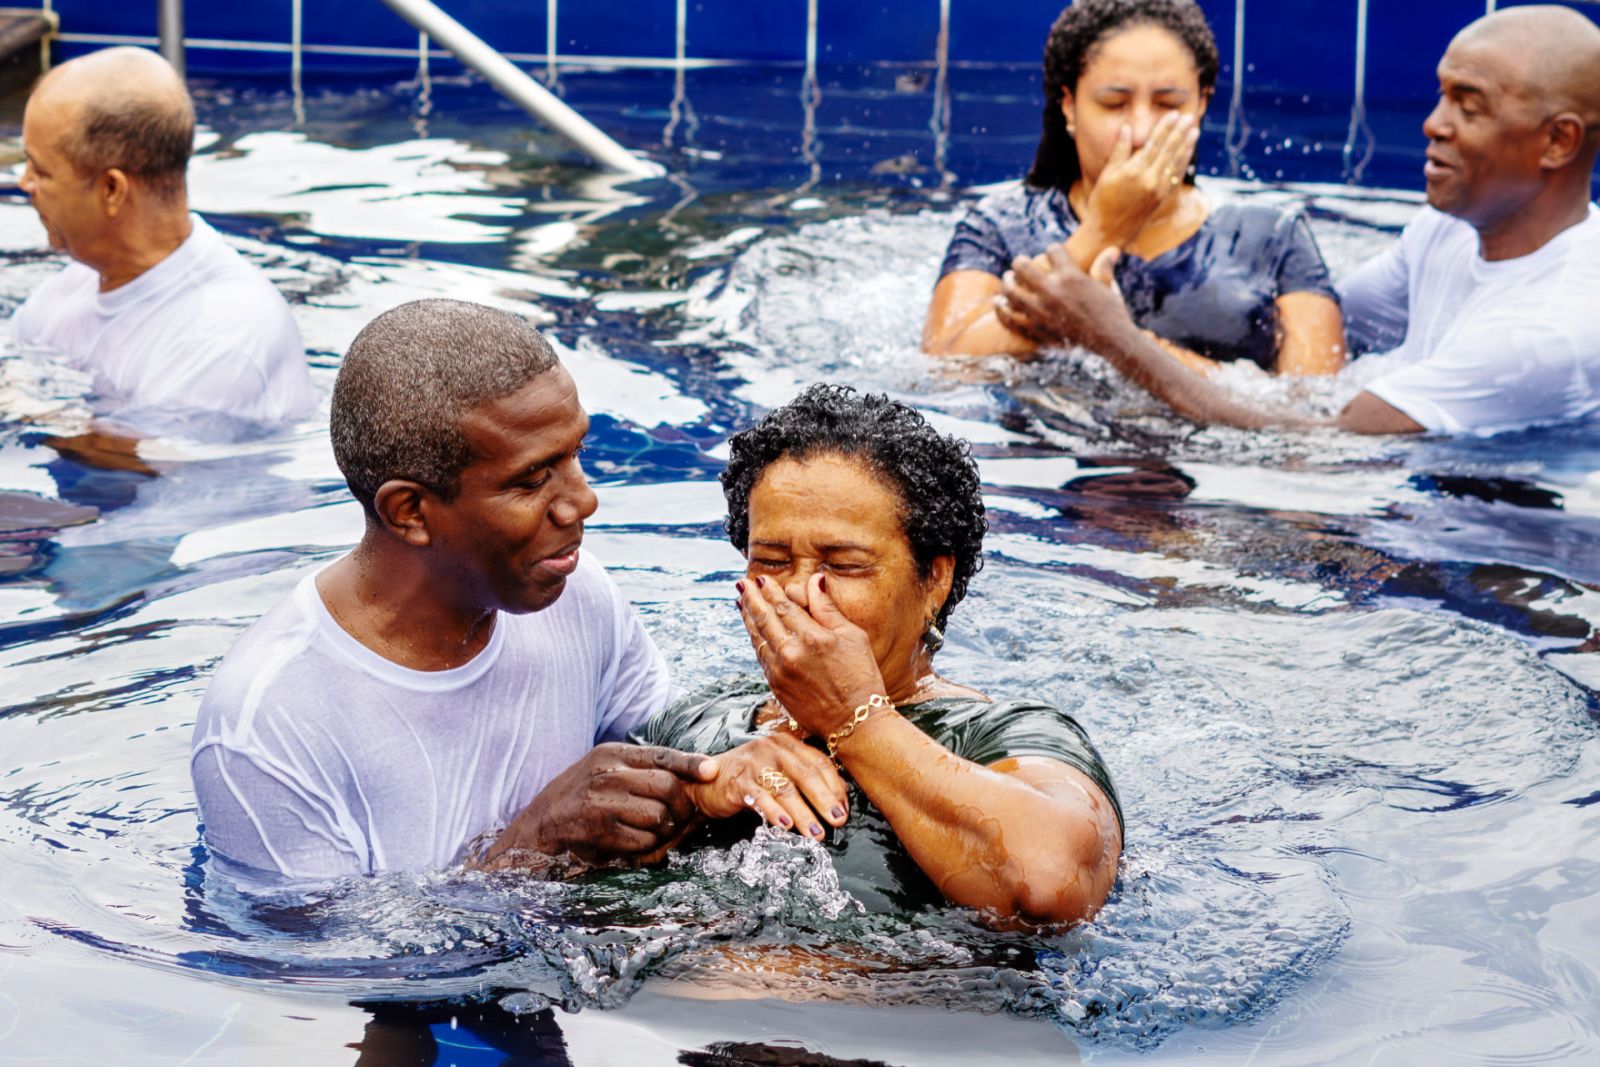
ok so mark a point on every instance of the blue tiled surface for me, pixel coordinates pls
(1292, 47)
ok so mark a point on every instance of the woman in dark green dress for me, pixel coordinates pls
(862, 527)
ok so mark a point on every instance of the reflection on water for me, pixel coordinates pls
(1343, 685)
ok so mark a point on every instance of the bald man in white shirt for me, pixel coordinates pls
(156, 306)
(1488, 293)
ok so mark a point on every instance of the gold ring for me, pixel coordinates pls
(776, 782)
(1176, 179)
(763, 644)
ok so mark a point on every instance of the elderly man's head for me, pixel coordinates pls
(459, 432)
(1518, 111)
(107, 136)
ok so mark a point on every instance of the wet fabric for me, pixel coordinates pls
(316, 758)
(1481, 347)
(1213, 294)
(872, 864)
(203, 330)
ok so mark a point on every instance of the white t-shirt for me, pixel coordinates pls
(1488, 346)
(316, 758)
(202, 330)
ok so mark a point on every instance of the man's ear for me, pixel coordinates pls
(399, 508)
(114, 189)
(1564, 141)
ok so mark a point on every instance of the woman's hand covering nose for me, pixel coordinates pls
(818, 663)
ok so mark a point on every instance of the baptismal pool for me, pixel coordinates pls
(1346, 687)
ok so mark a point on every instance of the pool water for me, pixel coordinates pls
(1345, 686)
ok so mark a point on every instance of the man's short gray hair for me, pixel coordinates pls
(408, 380)
(143, 135)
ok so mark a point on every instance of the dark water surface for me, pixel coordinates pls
(1345, 686)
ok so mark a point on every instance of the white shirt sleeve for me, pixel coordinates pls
(258, 817)
(640, 684)
(1491, 381)
(1375, 300)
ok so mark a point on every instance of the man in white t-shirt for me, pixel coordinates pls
(449, 690)
(156, 306)
(1489, 292)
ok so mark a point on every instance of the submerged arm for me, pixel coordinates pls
(1025, 838)
(1310, 334)
(961, 319)
(1032, 838)
(1075, 307)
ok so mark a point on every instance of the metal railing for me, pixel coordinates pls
(473, 52)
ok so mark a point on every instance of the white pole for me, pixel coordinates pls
(169, 28)
(521, 89)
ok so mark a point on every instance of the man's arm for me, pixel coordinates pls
(1371, 414)
(259, 817)
(1375, 299)
(104, 448)
(620, 802)
(1067, 306)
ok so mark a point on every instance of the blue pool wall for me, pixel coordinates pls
(1290, 46)
(1290, 114)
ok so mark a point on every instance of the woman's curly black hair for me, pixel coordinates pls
(1075, 33)
(933, 474)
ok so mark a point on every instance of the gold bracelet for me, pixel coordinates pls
(874, 702)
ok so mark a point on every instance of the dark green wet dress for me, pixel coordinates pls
(873, 866)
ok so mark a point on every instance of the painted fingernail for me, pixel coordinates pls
(785, 822)
(838, 812)
(816, 831)
(822, 582)
(739, 586)
(761, 582)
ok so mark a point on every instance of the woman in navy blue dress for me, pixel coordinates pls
(1127, 83)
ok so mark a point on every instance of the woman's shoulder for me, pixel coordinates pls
(988, 731)
(1252, 217)
(989, 722)
(1018, 198)
(709, 718)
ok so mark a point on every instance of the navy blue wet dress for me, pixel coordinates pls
(1213, 294)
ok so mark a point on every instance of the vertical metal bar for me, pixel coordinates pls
(297, 60)
(48, 6)
(424, 86)
(169, 27)
(940, 123)
(680, 96)
(810, 97)
(1238, 129)
(551, 11)
(1358, 107)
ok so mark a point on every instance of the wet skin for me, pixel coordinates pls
(425, 585)
(107, 220)
(1491, 139)
(1135, 116)
(67, 202)
(511, 535)
(836, 607)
